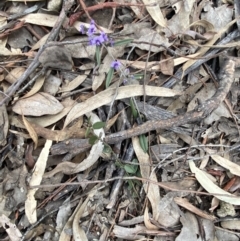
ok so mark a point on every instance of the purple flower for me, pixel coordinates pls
(111, 42)
(104, 36)
(98, 40)
(115, 64)
(92, 28)
(82, 29)
(93, 39)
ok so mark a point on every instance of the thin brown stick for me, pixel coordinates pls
(160, 184)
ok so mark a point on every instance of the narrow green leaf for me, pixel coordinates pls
(98, 125)
(98, 56)
(92, 140)
(131, 169)
(122, 42)
(87, 132)
(143, 143)
(133, 108)
(138, 76)
(109, 77)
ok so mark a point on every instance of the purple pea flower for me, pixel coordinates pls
(92, 28)
(115, 64)
(98, 40)
(82, 29)
(104, 36)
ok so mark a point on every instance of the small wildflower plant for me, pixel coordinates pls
(99, 40)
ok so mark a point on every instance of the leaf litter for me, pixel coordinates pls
(119, 120)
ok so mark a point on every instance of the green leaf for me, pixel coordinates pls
(98, 56)
(92, 140)
(143, 143)
(107, 149)
(109, 77)
(87, 132)
(138, 76)
(98, 125)
(133, 108)
(122, 42)
(131, 169)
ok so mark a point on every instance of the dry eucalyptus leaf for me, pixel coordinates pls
(181, 20)
(155, 12)
(57, 57)
(231, 224)
(134, 28)
(36, 87)
(52, 84)
(151, 190)
(224, 234)
(78, 232)
(31, 131)
(14, 74)
(168, 211)
(219, 17)
(66, 87)
(96, 150)
(39, 168)
(231, 166)
(80, 50)
(106, 96)
(54, 5)
(20, 38)
(211, 187)
(11, 229)
(38, 105)
(152, 37)
(191, 231)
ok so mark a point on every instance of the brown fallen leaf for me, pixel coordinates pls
(31, 131)
(57, 57)
(38, 105)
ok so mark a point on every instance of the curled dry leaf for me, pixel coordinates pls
(38, 105)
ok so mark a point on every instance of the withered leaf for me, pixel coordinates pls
(57, 57)
(38, 105)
